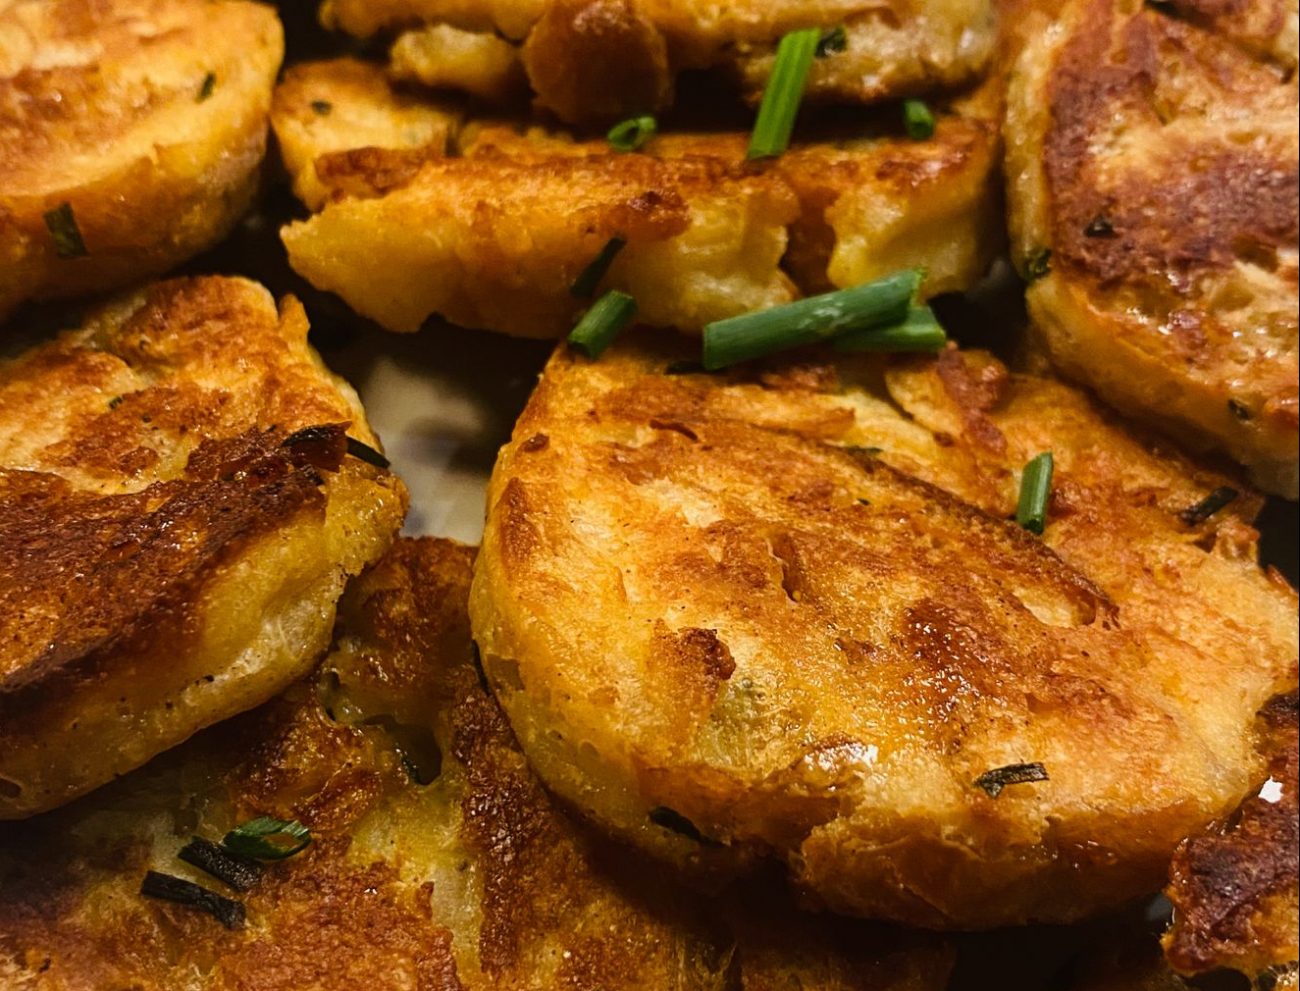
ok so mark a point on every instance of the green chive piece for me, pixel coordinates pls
(784, 92)
(918, 120)
(833, 42)
(1220, 498)
(1035, 491)
(205, 90)
(601, 324)
(321, 108)
(883, 303)
(366, 453)
(586, 284)
(1038, 264)
(268, 838)
(920, 331)
(633, 133)
(61, 222)
(994, 782)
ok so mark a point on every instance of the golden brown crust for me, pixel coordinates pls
(1172, 288)
(602, 60)
(342, 117)
(507, 224)
(179, 517)
(474, 880)
(106, 106)
(1234, 889)
(880, 636)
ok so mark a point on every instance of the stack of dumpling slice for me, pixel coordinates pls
(757, 680)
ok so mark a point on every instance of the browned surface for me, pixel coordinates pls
(1234, 889)
(170, 545)
(601, 60)
(494, 235)
(884, 635)
(100, 108)
(473, 881)
(1157, 161)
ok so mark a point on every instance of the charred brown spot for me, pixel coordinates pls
(1222, 882)
(535, 443)
(976, 388)
(597, 60)
(82, 572)
(519, 534)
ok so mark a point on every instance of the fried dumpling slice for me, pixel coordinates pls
(131, 135)
(1233, 888)
(790, 605)
(1153, 183)
(437, 860)
(180, 506)
(599, 60)
(495, 235)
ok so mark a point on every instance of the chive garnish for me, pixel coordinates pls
(992, 782)
(674, 821)
(1239, 409)
(227, 911)
(784, 92)
(883, 303)
(919, 331)
(236, 871)
(61, 222)
(918, 120)
(1038, 264)
(208, 85)
(1099, 226)
(633, 133)
(321, 108)
(586, 284)
(267, 838)
(1035, 490)
(601, 324)
(366, 453)
(833, 42)
(1207, 507)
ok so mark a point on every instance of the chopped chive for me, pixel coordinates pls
(601, 324)
(633, 133)
(1038, 264)
(115, 402)
(586, 284)
(227, 911)
(366, 453)
(1035, 490)
(1099, 226)
(61, 222)
(1239, 409)
(321, 108)
(882, 303)
(267, 838)
(784, 92)
(236, 871)
(675, 822)
(918, 120)
(992, 782)
(833, 42)
(205, 90)
(1207, 507)
(920, 331)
